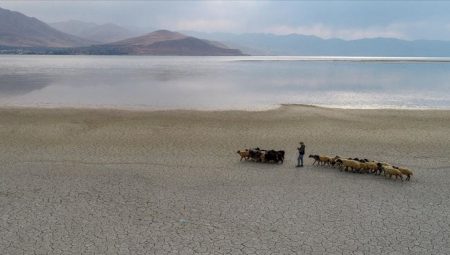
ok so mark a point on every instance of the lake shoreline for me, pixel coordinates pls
(194, 109)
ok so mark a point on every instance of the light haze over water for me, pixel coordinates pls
(205, 83)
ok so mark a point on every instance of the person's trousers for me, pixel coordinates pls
(300, 159)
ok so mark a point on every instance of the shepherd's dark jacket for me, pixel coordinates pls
(301, 150)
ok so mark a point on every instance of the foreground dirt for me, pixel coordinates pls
(122, 182)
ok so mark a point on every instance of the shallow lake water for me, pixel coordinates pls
(151, 82)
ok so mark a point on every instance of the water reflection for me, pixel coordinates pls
(218, 83)
(19, 84)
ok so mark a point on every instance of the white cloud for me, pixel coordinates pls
(425, 29)
(327, 32)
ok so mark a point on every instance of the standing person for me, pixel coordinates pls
(301, 153)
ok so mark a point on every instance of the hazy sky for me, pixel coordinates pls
(341, 19)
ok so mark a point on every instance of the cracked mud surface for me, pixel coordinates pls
(112, 182)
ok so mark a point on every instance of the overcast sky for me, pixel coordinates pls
(339, 19)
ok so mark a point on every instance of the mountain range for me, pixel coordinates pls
(305, 45)
(20, 34)
(105, 33)
(162, 43)
(18, 30)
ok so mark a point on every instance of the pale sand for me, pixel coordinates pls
(169, 182)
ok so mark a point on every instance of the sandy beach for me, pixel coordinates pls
(85, 181)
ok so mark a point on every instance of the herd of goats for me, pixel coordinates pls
(258, 155)
(354, 165)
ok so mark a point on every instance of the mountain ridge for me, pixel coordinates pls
(20, 30)
(103, 33)
(308, 45)
(20, 34)
(165, 42)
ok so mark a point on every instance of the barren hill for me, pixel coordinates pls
(18, 30)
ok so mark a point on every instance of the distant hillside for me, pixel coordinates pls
(149, 39)
(73, 27)
(20, 34)
(162, 42)
(295, 44)
(18, 30)
(105, 33)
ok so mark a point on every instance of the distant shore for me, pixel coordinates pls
(156, 179)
